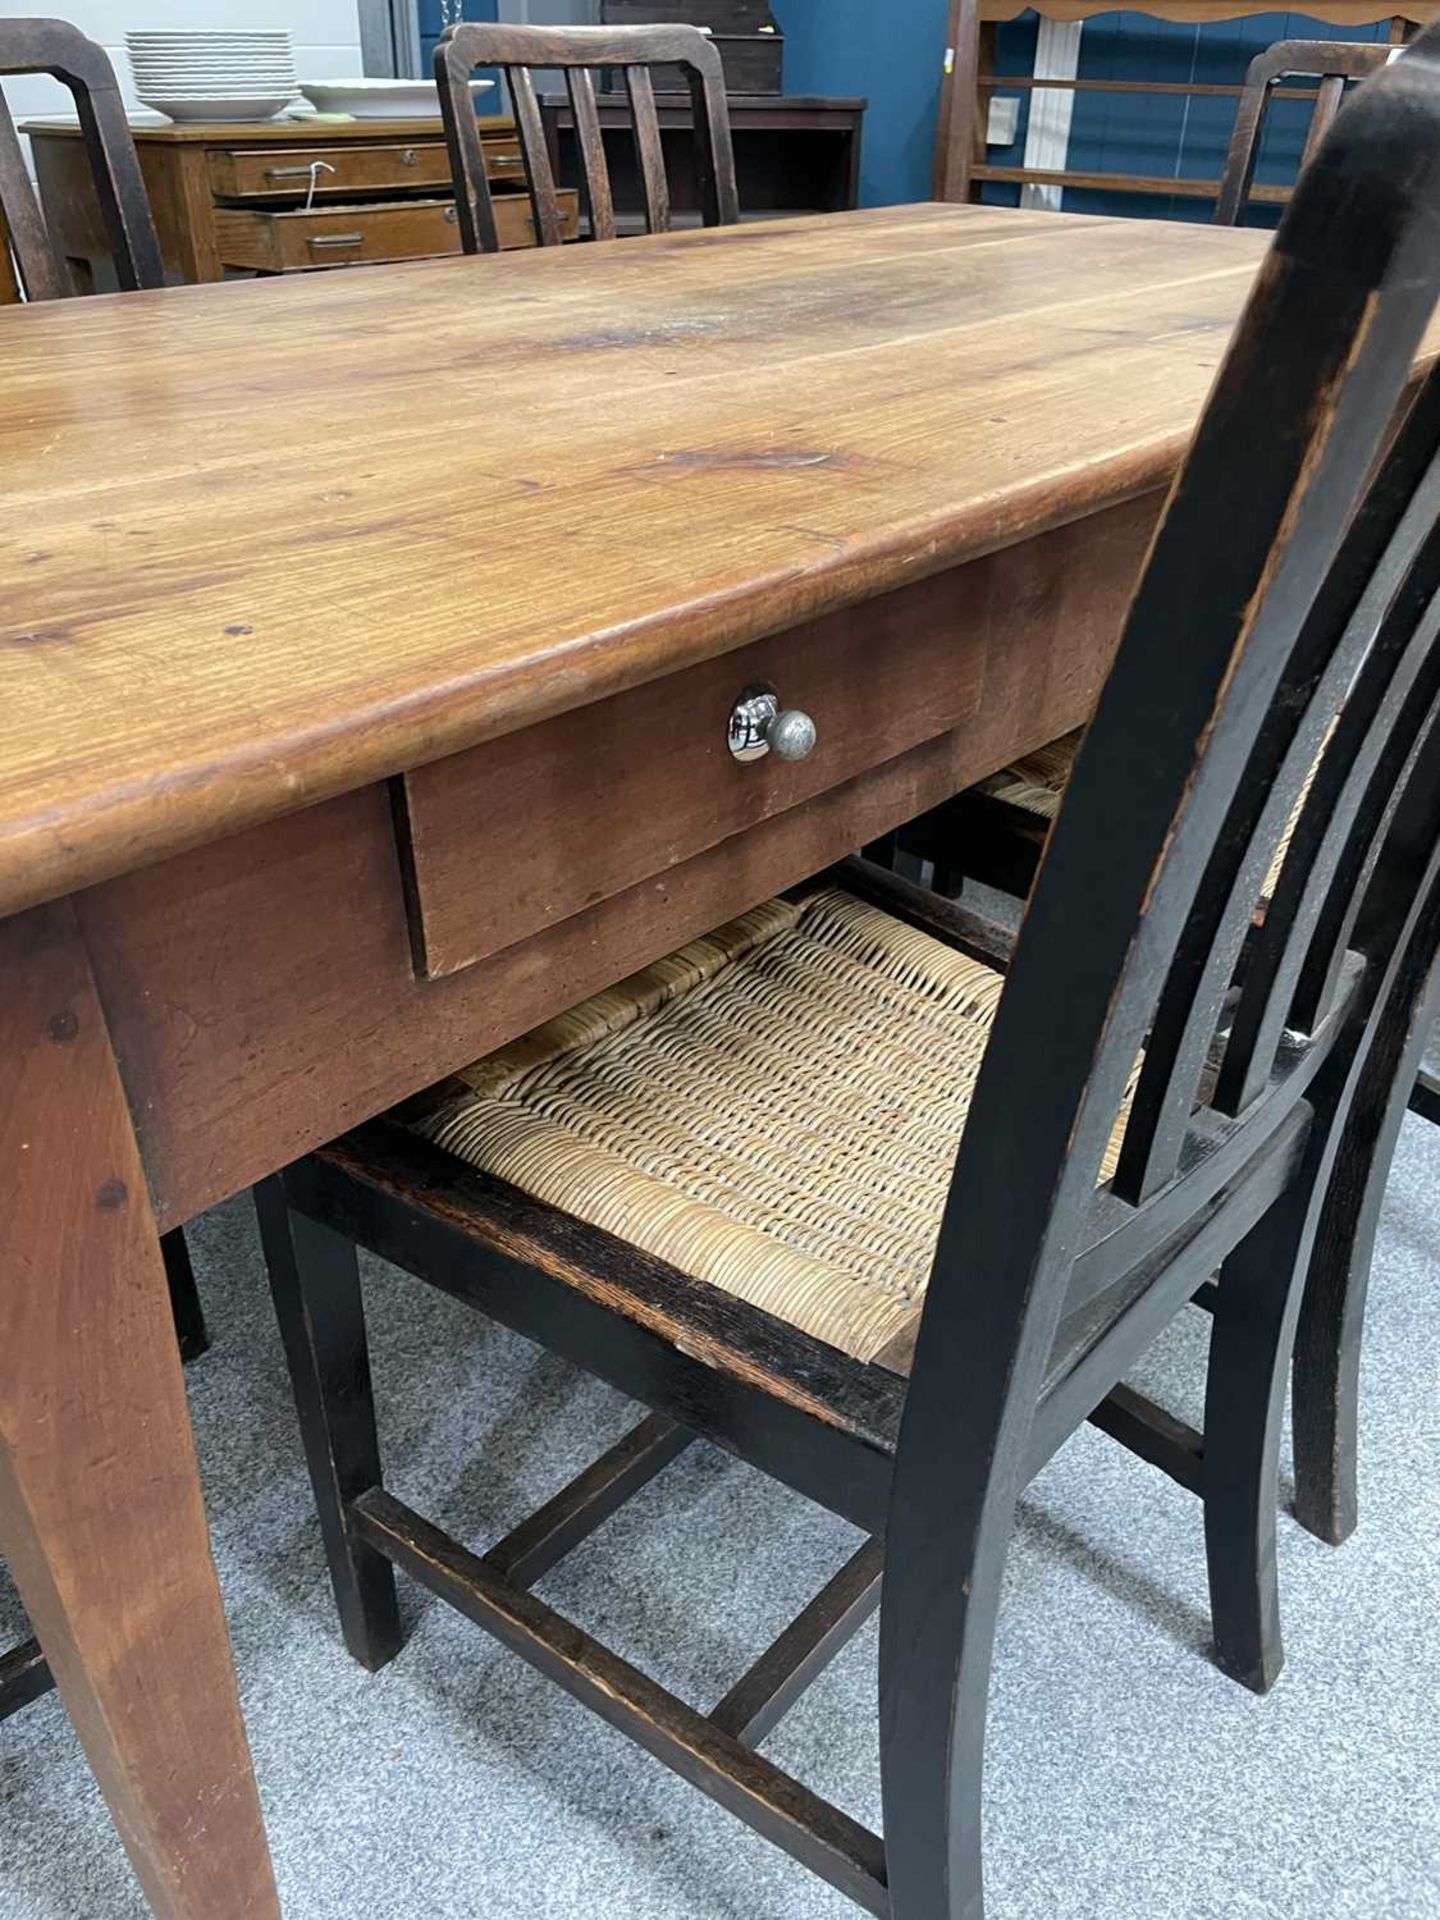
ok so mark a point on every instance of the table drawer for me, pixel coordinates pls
(522, 832)
(269, 173)
(288, 240)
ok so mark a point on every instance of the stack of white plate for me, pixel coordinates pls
(205, 74)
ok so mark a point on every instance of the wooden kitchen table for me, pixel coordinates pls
(367, 644)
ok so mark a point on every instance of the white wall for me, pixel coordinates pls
(326, 34)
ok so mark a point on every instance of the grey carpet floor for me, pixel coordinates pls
(1126, 1776)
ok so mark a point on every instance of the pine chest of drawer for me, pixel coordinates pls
(263, 198)
(296, 239)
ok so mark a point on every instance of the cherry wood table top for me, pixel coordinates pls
(271, 541)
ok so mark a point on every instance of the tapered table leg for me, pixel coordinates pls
(101, 1520)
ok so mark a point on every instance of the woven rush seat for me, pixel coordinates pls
(774, 1109)
(1036, 784)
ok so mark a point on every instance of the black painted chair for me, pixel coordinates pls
(578, 52)
(31, 267)
(720, 1213)
(1002, 826)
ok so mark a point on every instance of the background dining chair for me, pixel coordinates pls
(578, 52)
(720, 1185)
(1335, 64)
(34, 268)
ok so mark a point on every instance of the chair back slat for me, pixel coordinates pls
(544, 200)
(1332, 62)
(57, 48)
(9, 277)
(1328, 98)
(649, 154)
(577, 51)
(594, 170)
(35, 267)
(1294, 965)
(1379, 549)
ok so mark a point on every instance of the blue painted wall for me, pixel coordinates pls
(890, 50)
(430, 24)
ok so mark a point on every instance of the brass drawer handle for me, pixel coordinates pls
(506, 159)
(296, 173)
(409, 158)
(760, 725)
(337, 239)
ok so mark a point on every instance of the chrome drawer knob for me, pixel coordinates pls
(760, 725)
(791, 735)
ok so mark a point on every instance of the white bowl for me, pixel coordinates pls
(381, 99)
(233, 107)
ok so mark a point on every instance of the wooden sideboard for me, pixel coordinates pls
(961, 164)
(233, 197)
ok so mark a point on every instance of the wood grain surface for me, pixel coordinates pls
(268, 542)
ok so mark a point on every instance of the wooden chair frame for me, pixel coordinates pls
(1334, 63)
(1283, 559)
(578, 51)
(56, 48)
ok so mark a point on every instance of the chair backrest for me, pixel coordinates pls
(578, 51)
(57, 48)
(1334, 63)
(1295, 575)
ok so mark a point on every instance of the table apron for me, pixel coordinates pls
(262, 993)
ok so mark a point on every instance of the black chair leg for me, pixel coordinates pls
(315, 1280)
(1327, 1346)
(190, 1329)
(1425, 1096)
(1256, 1304)
(1332, 1319)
